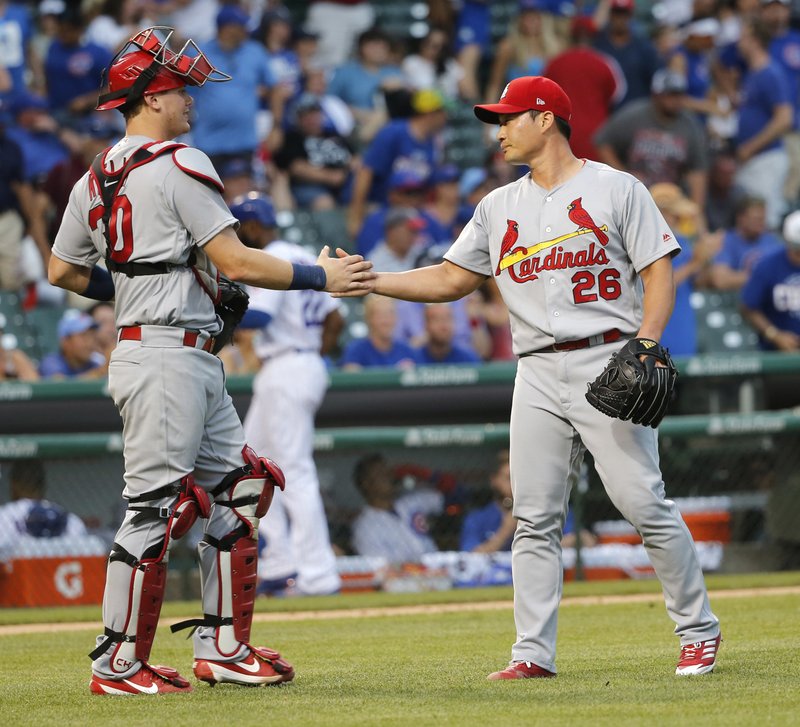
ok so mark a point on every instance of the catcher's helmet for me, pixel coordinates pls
(145, 65)
(254, 206)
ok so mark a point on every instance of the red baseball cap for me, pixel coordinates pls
(529, 93)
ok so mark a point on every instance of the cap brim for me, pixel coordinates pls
(489, 113)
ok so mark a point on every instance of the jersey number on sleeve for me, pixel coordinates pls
(120, 227)
(607, 285)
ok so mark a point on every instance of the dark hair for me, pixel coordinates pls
(373, 33)
(129, 110)
(29, 475)
(746, 202)
(563, 126)
(760, 32)
(364, 468)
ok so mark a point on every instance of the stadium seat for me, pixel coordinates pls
(720, 326)
(43, 322)
(17, 324)
(331, 227)
(402, 18)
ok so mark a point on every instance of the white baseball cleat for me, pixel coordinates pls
(698, 658)
(260, 666)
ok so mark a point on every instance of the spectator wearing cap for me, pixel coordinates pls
(442, 207)
(594, 78)
(619, 38)
(337, 114)
(400, 246)
(77, 357)
(407, 188)
(743, 245)
(338, 24)
(29, 513)
(317, 161)
(14, 364)
(414, 143)
(770, 300)
(360, 82)
(379, 347)
(432, 65)
(657, 140)
(693, 59)
(766, 113)
(73, 68)
(237, 176)
(225, 120)
(531, 41)
(16, 31)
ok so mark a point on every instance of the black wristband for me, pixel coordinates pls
(101, 285)
(308, 276)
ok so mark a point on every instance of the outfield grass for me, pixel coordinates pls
(616, 666)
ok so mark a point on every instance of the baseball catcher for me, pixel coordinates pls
(633, 386)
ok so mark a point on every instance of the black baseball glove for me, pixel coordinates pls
(632, 389)
(233, 300)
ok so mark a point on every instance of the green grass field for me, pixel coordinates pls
(616, 664)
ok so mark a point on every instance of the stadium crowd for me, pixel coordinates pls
(363, 138)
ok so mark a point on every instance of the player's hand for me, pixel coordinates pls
(347, 275)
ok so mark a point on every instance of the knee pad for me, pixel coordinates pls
(248, 490)
(193, 502)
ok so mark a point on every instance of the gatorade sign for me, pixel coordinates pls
(68, 579)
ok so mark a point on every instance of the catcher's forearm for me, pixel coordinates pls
(659, 297)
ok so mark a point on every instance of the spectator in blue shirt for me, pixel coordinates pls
(379, 347)
(491, 528)
(413, 143)
(635, 54)
(38, 135)
(785, 50)
(771, 296)
(743, 245)
(765, 114)
(440, 347)
(360, 82)
(73, 68)
(15, 36)
(77, 357)
(225, 122)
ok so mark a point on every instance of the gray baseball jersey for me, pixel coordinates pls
(566, 260)
(167, 212)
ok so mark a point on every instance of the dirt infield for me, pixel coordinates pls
(416, 610)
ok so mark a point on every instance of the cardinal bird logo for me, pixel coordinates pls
(509, 241)
(584, 220)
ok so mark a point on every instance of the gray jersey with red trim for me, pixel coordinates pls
(163, 212)
(567, 259)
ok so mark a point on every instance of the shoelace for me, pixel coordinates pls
(689, 651)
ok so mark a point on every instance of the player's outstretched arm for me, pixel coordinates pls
(434, 284)
(347, 274)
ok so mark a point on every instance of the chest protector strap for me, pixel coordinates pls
(108, 185)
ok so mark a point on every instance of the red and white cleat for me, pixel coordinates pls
(261, 666)
(698, 658)
(150, 679)
(521, 670)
